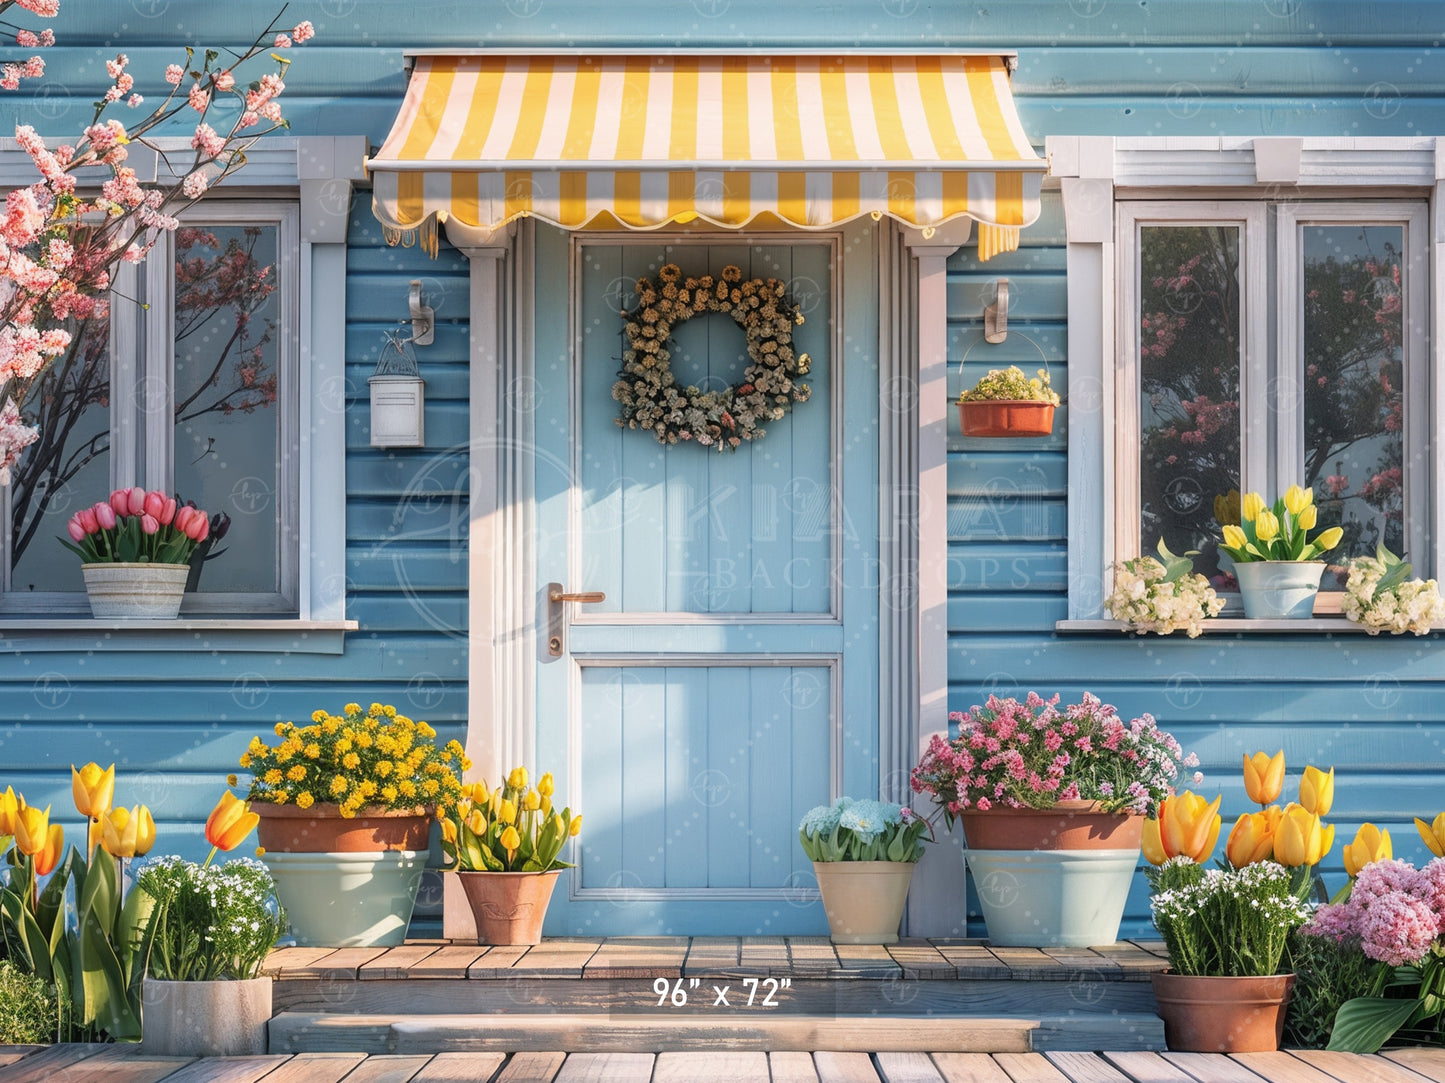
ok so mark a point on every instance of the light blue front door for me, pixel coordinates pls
(729, 681)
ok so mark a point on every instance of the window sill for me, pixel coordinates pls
(1235, 625)
(239, 634)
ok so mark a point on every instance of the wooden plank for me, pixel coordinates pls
(124, 1065)
(711, 1067)
(1085, 962)
(460, 1068)
(844, 1068)
(768, 953)
(974, 960)
(1030, 964)
(812, 954)
(1212, 1068)
(497, 962)
(1133, 961)
(531, 1067)
(867, 960)
(921, 960)
(554, 959)
(284, 962)
(10, 1058)
(316, 1068)
(228, 1069)
(1086, 1067)
(396, 962)
(907, 1068)
(1144, 1067)
(450, 961)
(1282, 1068)
(1355, 1068)
(50, 1064)
(336, 965)
(1429, 1063)
(643, 957)
(1029, 1068)
(1153, 947)
(388, 1068)
(792, 1068)
(969, 1068)
(711, 954)
(606, 1068)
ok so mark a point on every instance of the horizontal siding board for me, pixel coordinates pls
(1017, 565)
(984, 473)
(1037, 518)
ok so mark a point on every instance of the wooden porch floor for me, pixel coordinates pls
(124, 1064)
(810, 957)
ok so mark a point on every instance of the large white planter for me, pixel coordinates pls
(340, 900)
(1052, 898)
(135, 591)
(864, 899)
(1279, 589)
(205, 1018)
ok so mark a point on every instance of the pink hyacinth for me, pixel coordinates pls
(1397, 928)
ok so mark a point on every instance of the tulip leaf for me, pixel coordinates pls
(31, 941)
(1364, 1024)
(1397, 574)
(52, 899)
(106, 1002)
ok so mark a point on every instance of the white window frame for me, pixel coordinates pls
(317, 175)
(1098, 176)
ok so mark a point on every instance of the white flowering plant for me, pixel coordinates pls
(852, 830)
(1162, 595)
(1227, 922)
(211, 922)
(1012, 385)
(1381, 595)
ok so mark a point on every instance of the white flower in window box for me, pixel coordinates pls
(1381, 596)
(1162, 595)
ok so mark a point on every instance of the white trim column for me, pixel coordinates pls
(936, 903)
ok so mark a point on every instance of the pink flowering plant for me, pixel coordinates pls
(62, 237)
(1394, 916)
(135, 526)
(1034, 754)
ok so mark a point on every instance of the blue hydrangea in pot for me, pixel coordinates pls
(863, 853)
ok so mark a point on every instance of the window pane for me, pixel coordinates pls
(68, 467)
(227, 339)
(1354, 401)
(1189, 365)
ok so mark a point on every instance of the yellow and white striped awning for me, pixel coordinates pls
(644, 141)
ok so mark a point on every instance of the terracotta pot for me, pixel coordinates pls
(321, 829)
(864, 899)
(509, 906)
(1068, 825)
(1222, 1015)
(1006, 417)
(139, 591)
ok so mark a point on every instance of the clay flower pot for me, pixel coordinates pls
(1006, 417)
(321, 829)
(1067, 825)
(1222, 1014)
(864, 899)
(509, 907)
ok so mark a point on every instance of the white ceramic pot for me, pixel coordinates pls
(135, 591)
(1279, 589)
(1052, 898)
(205, 1018)
(341, 900)
(864, 899)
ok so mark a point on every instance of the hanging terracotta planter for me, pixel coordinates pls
(509, 907)
(1222, 1014)
(1006, 417)
(321, 829)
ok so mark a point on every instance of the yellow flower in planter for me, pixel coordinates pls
(93, 789)
(1433, 834)
(1297, 499)
(1370, 845)
(32, 829)
(1264, 776)
(1187, 826)
(1252, 839)
(1317, 790)
(1301, 839)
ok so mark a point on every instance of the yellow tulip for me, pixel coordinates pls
(476, 822)
(1433, 834)
(478, 793)
(128, 832)
(8, 805)
(518, 778)
(1266, 526)
(1300, 838)
(508, 812)
(1251, 505)
(1317, 790)
(1234, 537)
(449, 831)
(49, 857)
(1297, 499)
(1308, 518)
(1226, 508)
(1152, 844)
(510, 840)
(1189, 826)
(576, 828)
(1264, 776)
(546, 785)
(32, 829)
(1371, 844)
(1330, 538)
(532, 802)
(92, 788)
(1252, 839)
(230, 822)
(546, 806)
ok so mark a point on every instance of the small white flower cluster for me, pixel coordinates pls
(1147, 601)
(1263, 887)
(1412, 606)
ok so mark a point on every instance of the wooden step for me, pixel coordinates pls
(300, 1031)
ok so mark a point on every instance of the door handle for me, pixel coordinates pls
(557, 613)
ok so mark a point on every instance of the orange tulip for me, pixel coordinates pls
(93, 789)
(1189, 826)
(1264, 777)
(230, 822)
(1252, 839)
(48, 858)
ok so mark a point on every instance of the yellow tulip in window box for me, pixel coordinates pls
(1276, 563)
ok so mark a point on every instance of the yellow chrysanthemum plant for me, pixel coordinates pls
(372, 758)
(510, 829)
(1280, 532)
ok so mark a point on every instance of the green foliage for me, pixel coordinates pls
(1327, 974)
(1011, 385)
(1410, 997)
(509, 829)
(850, 830)
(32, 1010)
(212, 922)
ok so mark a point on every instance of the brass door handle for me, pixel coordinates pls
(557, 613)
